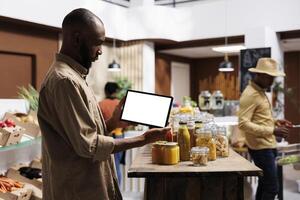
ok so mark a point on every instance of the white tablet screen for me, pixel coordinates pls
(146, 108)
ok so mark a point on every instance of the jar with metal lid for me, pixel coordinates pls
(199, 156)
(205, 139)
(217, 100)
(171, 153)
(222, 143)
(166, 153)
(157, 152)
(184, 141)
(191, 128)
(204, 100)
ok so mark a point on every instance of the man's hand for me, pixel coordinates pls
(155, 134)
(281, 132)
(149, 136)
(284, 123)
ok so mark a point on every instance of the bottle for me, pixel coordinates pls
(184, 141)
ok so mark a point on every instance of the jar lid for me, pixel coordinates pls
(199, 150)
(159, 143)
(170, 144)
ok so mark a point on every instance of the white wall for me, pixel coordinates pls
(148, 67)
(180, 81)
(203, 20)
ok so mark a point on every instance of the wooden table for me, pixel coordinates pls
(220, 179)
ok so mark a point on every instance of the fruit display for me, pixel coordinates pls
(21, 117)
(7, 123)
(30, 172)
(8, 185)
(290, 159)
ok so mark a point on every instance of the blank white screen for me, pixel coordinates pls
(146, 109)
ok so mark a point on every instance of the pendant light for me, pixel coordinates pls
(114, 66)
(226, 65)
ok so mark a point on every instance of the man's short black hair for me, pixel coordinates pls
(111, 88)
(80, 16)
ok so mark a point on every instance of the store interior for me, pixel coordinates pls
(167, 47)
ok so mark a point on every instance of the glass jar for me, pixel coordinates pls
(191, 128)
(204, 100)
(199, 156)
(184, 141)
(217, 100)
(205, 139)
(222, 143)
(171, 153)
(186, 107)
(157, 152)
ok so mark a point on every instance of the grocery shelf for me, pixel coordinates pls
(24, 152)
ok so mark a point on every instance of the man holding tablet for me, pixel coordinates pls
(76, 146)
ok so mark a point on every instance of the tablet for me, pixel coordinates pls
(146, 108)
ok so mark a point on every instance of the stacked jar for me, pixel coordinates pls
(222, 143)
(191, 128)
(206, 139)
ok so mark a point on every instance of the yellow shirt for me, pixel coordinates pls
(76, 153)
(255, 118)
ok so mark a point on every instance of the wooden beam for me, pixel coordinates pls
(199, 43)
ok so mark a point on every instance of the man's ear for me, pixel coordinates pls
(76, 39)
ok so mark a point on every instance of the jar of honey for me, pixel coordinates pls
(171, 153)
(165, 153)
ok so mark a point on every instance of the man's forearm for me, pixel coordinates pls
(128, 143)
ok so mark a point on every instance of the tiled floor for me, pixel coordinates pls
(290, 175)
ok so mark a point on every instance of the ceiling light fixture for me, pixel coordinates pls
(229, 49)
(226, 65)
(114, 66)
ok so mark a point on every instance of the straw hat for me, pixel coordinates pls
(267, 66)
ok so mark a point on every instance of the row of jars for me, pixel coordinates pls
(207, 101)
(196, 142)
(193, 134)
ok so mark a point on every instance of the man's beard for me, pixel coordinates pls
(85, 57)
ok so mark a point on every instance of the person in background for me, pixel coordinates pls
(107, 107)
(76, 144)
(259, 127)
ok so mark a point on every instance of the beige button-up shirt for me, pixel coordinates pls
(255, 118)
(76, 154)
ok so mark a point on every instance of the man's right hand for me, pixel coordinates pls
(281, 132)
(155, 134)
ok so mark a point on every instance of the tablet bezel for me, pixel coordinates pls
(150, 125)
